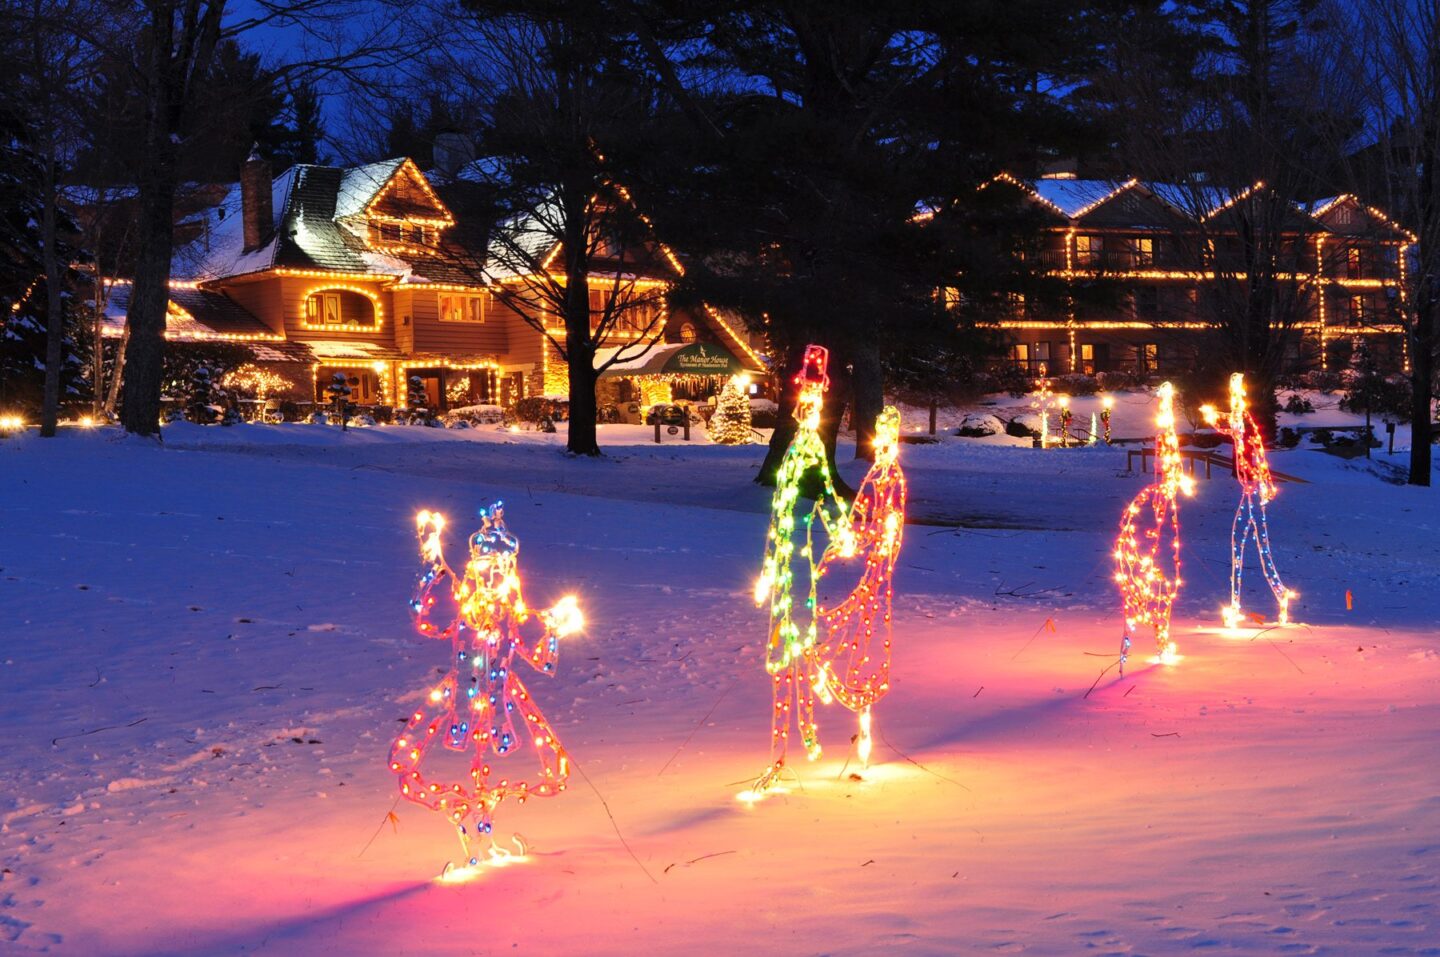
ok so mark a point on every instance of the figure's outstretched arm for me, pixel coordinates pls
(560, 620)
(428, 526)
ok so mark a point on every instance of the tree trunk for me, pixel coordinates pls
(784, 432)
(117, 374)
(97, 360)
(145, 351)
(54, 308)
(582, 439)
(1422, 368)
(868, 391)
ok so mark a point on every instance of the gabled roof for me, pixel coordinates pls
(1328, 211)
(1195, 200)
(1073, 198)
(359, 185)
(314, 226)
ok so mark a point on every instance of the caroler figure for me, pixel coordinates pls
(853, 656)
(790, 651)
(481, 704)
(1257, 489)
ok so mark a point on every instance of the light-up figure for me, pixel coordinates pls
(1044, 399)
(854, 651)
(790, 651)
(477, 706)
(1257, 489)
(1147, 551)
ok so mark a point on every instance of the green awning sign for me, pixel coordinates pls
(703, 358)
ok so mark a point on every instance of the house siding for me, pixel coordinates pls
(461, 338)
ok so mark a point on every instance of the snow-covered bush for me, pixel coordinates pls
(1026, 425)
(1075, 383)
(978, 424)
(1119, 379)
(1297, 404)
(473, 415)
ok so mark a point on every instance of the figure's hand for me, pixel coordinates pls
(1208, 413)
(564, 618)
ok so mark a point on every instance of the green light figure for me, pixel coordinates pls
(790, 652)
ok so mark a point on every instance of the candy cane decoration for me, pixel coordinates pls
(476, 706)
(1257, 489)
(854, 651)
(790, 657)
(1142, 560)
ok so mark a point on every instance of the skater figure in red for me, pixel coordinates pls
(1257, 489)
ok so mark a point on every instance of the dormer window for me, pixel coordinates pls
(399, 235)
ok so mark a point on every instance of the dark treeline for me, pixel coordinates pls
(826, 170)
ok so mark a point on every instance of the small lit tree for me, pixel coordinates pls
(730, 425)
(339, 392)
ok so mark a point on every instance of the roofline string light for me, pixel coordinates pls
(1257, 489)
(1147, 593)
(476, 705)
(790, 651)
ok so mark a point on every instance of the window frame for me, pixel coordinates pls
(465, 305)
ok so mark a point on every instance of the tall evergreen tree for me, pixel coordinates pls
(820, 129)
(25, 301)
(1245, 138)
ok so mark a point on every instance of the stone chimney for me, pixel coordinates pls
(256, 204)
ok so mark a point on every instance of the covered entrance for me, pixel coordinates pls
(671, 373)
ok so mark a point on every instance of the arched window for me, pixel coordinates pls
(339, 308)
(688, 332)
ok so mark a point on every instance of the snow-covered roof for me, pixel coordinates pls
(191, 314)
(1072, 197)
(219, 250)
(311, 228)
(524, 239)
(359, 185)
(359, 351)
(1193, 199)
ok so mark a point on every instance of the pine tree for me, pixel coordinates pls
(730, 425)
(23, 294)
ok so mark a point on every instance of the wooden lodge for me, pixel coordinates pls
(366, 271)
(1162, 248)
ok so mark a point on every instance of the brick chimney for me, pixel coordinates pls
(256, 205)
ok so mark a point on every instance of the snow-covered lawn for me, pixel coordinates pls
(205, 652)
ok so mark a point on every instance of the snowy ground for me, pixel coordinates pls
(204, 653)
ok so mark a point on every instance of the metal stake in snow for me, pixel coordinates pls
(475, 706)
(1257, 488)
(790, 654)
(1142, 560)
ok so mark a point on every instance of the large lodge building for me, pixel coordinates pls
(327, 269)
(1159, 246)
(359, 271)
